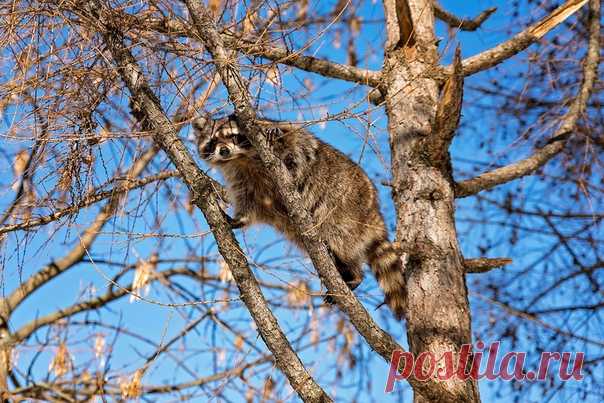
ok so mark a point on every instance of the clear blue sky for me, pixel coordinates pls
(154, 320)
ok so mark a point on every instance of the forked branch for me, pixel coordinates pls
(377, 338)
(295, 58)
(520, 41)
(86, 239)
(556, 144)
(462, 23)
(148, 105)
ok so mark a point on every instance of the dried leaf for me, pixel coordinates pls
(215, 6)
(20, 162)
(274, 76)
(337, 40)
(355, 25)
(144, 272)
(86, 376)
(131, 389)
(248, 22)
(298, 294)
(88, 159)
(238, 343)
(302, 9)
(221, 356)
(340, 326)
(224, 273)
(189, 206)
(249, 395)
(267, 390)
(99, 345)
(308, 84)
(61, 362)
(66, 177)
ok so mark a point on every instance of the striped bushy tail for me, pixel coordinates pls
(385, 262)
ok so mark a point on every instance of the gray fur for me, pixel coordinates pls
(336, 192)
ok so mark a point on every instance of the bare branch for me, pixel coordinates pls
(311, 64)
(308, 63)
(205, 198)
(233, 372)
(462, 23)
(543, 323)
(520, 41)
(91, 387)
(556, 144)
(57, 267)
(93, 198)
(28, 329)
(485, 264)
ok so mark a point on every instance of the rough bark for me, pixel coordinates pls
(146, 103)
(438, 316)
(379, 340)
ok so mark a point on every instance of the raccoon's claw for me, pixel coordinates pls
(328, 299)
(236, 222)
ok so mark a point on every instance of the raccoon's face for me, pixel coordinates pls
(219, 141)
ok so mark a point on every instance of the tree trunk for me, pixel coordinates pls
(438, 314)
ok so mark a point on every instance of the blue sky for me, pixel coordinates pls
(21, 254)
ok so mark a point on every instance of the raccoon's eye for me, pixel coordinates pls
(208, 148)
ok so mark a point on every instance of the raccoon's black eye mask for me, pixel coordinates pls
(209, 148)
(242, 141)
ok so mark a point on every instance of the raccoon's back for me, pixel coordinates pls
(338, 193)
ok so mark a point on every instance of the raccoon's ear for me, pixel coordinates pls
(233, 119)
(200, 122)
(201, 125)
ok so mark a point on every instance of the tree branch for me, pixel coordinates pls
(236, 42)
(556, 144)
(485, 264)
(462, 23)
(519, 42)
(205, 198)
(57, 267)
(115, 292)
(307, 63)
(377, 338)
(93, 198)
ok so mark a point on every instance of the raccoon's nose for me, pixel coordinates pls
(224, 152)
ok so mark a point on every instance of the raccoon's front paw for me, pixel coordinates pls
(352, 284)
(328, 299)
(237, 222)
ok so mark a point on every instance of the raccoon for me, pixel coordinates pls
(336, 192)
